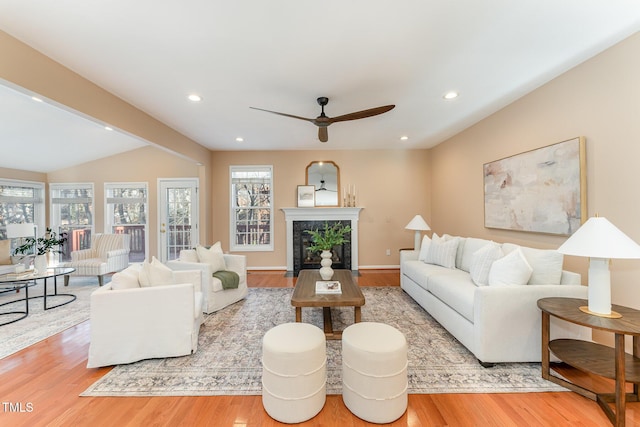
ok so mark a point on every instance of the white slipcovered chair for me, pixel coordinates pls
(109, 253)
(215, 296)
(144, 315)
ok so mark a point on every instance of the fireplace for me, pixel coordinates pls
(316, 217)
(305, 259)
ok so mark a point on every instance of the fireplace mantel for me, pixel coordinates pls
(322, 214)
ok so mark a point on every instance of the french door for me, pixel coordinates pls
(178, 216)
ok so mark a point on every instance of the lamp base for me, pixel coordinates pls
(612, 315)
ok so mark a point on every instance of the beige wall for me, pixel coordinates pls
(23, 175)
(392, 186)
(600, 100)
(146, 164)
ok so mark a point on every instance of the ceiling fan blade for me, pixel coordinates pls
(362, 114)
(323, 135)
(284, 114)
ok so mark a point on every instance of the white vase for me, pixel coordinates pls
(326, 272)
(40, 264)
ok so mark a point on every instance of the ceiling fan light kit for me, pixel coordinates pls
(322, 121)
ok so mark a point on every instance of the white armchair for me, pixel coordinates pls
(130, 322)
(215, 297)
(109, 253)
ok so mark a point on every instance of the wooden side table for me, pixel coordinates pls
(595, 358)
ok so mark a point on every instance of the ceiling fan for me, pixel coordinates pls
(322, 121)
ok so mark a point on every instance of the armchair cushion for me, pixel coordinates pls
(212, 256)
(155, 273)
(127, 278)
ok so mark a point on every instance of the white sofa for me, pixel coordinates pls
(215, 297)
(497, 322)
(131, 322)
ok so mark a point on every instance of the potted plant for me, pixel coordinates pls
(324, 241)
(40, 247)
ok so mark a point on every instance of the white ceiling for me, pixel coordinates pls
(282, 54)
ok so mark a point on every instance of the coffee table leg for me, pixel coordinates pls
(298, 314)
(357, 315)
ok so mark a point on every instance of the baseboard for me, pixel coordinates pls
(267, 268)
(379, 267)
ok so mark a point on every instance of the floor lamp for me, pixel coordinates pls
(419, 225)
(600, 240)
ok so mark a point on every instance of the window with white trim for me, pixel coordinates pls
(72, 213)
(126, 212)
(251, 208)
(21, 202)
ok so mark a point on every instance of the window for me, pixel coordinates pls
(72, 213)
(21, 201)
(126, 213)
(251, 208)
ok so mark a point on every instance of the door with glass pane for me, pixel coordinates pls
(178, 228)
(126, 213)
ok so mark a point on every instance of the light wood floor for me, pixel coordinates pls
(44, 381)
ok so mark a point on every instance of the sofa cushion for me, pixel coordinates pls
(511, 269)
(443, 252)
(424, 248)
(454, 288)
(481, 263)
(126, 279)
(419, 272)
(155, 273)
(546, 264)
(212, 256)
(471, 245)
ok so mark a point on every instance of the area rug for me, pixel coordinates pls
(41, 324)
(230, 343)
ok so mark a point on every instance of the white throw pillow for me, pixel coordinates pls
(424, 248)
(546, 264)
(212, 256)
(442, 252)
(481, 263)
(471, 245)
(155, 273)
(189, 255)
(126, 279)
(511, 269)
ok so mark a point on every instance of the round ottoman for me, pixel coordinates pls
(294, 375)
(374, 371)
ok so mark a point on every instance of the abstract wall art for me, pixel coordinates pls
(541, 191)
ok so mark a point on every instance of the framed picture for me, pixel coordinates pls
(306, 196)
(542, 190)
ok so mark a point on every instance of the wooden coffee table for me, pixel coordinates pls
(304, 295)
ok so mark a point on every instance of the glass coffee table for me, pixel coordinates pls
(26, 280)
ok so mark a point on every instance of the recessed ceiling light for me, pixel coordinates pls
(108, 128)
(195, 98)
(450, 95)
(239, 139)
(404, 138)
(35, 98)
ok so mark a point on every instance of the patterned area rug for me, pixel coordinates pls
(229, 351)
(41, 324)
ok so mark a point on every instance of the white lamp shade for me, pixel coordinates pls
(598, 238)
(15, 231)
(417, 223)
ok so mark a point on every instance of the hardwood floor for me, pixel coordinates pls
(39, 386)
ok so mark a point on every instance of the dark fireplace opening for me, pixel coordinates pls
(303, 258)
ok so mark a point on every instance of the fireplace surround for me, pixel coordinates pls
(315, 218)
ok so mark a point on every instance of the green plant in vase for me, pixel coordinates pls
(51, 242)
(324, 240)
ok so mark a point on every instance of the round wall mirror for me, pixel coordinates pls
(325, 175)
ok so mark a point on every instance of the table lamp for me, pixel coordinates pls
(600, 240)
(418, 224)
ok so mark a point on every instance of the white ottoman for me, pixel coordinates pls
(374, 371)
(294, 375)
